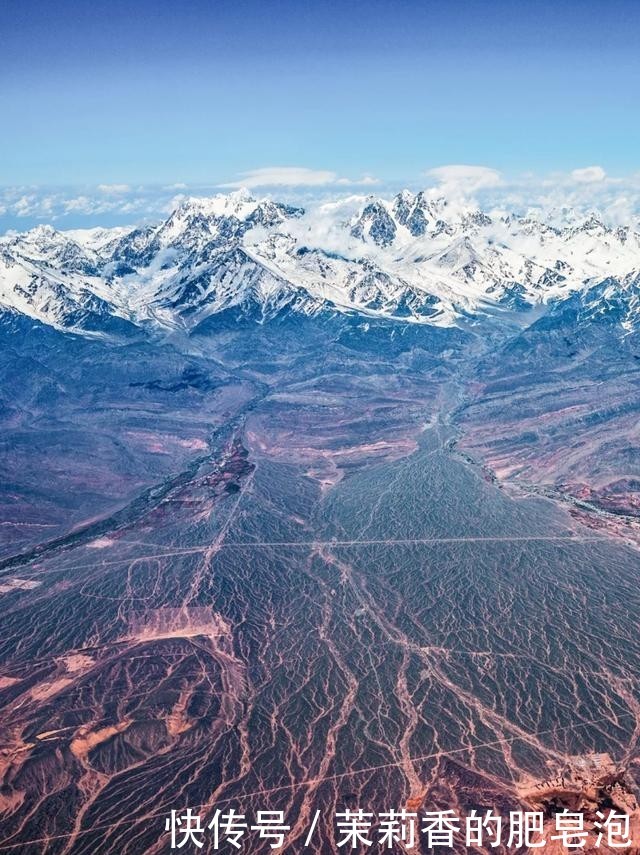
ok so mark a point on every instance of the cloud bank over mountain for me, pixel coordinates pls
(585, 189)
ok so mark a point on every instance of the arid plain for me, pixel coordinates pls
(317, 595)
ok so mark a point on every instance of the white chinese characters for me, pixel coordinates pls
(402, 830)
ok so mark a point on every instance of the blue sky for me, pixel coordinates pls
(202, 93)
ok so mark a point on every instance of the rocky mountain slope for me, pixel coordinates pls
(411, 258)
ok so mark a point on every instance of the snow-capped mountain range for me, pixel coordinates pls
(410, 258)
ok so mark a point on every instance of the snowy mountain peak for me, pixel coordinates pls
(375, 223)
(411, 258)
(240, 203)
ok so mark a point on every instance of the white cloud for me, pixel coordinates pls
(460, 179)
(283, 176)
(293, 176)
(171, 204)
(25, 206)
(589, 174)
(83, 205)
(52, 205)
(114, 189)
(365, 181)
